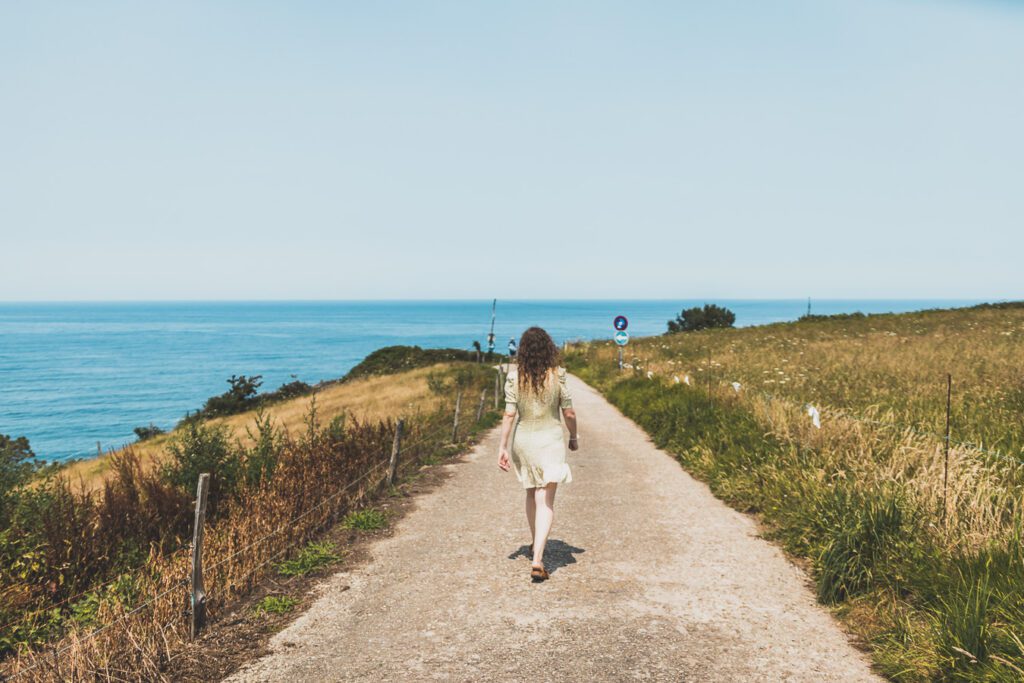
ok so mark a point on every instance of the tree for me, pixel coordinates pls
(697, 318)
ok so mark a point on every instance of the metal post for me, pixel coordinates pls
(480, 408)
(198, 611)
(620, 358)
(396, 447)
(709, 375)
(945, 467)
(455, 423)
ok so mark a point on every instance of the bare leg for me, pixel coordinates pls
(544, 498)
(531, 511)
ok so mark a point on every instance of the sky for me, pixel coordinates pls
(343, 150)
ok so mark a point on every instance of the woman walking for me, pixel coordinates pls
(536, 389)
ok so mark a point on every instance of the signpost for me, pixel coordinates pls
(621, 337)
(490, 335)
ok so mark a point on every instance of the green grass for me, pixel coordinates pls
(929, 613)
(275, 604)
(366, 520)
(312, 557)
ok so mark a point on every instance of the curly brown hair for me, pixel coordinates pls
(538, 355)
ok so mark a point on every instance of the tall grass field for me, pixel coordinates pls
(915, 546)
(93, 578)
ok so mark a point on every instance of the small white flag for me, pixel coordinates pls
(650, 375)
(676, 378)
(686, 380)
(815, 415)
(737, 386)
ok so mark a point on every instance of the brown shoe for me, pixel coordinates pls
(538, 574)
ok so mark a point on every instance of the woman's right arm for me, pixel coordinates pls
(506, 429)
(511, 399)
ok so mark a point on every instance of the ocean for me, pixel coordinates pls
(74, 374)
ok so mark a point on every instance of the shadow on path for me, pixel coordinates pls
(557, 554)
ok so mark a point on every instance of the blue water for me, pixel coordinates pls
(72, 374)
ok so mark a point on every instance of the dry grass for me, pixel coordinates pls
(367, 399)
(321, 473)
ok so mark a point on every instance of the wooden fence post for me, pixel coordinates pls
(497, 387)
(396, 446)
(198, 612)
(455, 424)
(480, 408)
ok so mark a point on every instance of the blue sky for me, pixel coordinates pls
(322, 150)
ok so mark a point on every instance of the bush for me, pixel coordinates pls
(261, 458)
(203, 448)
(287, 391)
(697, 318)
(146, 433)
(17, 467)
(393, 359)
(239, 398)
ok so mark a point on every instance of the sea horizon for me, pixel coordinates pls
(75, 373)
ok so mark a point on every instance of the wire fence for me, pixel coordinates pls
(377, 474)
(815, 413)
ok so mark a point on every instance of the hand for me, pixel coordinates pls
(574, 444)
(503, 463)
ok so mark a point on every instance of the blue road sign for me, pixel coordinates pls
(621, 322)
(622, 337)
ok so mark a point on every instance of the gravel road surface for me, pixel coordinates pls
(652, 578)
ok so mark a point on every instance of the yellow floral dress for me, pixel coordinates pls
(538, 448)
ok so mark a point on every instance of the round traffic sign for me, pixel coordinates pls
(622, 337)
(621, 322)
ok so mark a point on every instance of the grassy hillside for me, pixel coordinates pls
(925, 565)
(369, 398)
(99, 571)
(382, 385)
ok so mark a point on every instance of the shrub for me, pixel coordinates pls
(239, 398)
(392, 359)
(260, 459)
(202, 448)
(17, 466)
(287, 391)
(697, 318)
(148, 432)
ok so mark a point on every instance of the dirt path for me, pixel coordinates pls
(652, 578)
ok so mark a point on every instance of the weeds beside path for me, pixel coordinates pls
(652, 578)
